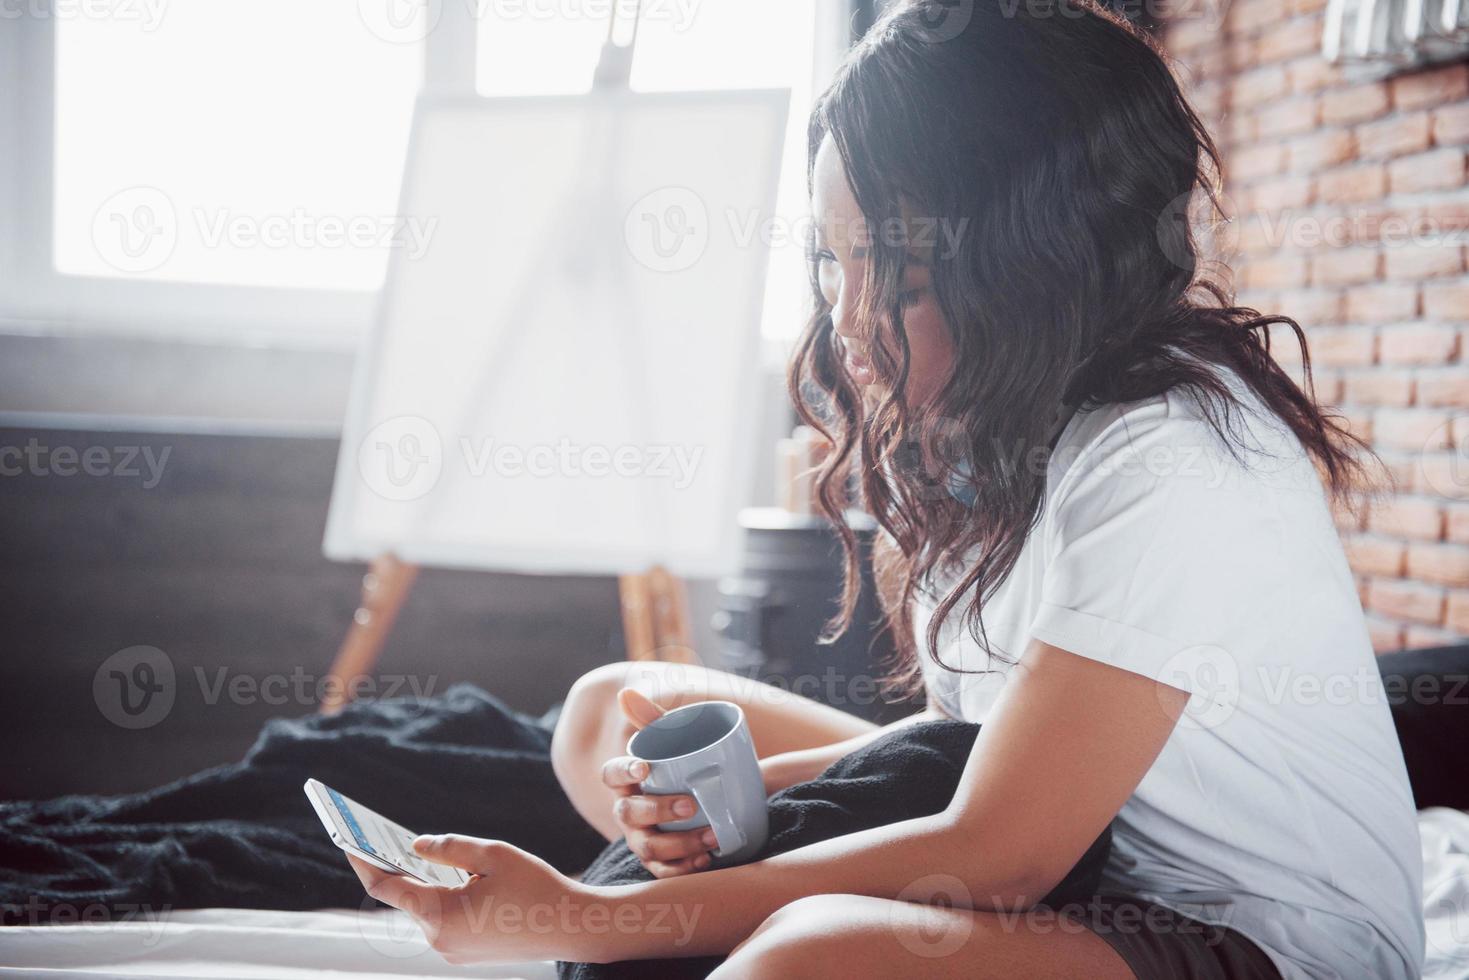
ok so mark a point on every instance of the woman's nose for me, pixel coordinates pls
(841, 319)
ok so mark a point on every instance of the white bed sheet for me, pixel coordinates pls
(242, 943)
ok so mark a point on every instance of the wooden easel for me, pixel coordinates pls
(655, 622)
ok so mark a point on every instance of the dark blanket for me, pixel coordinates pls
(912, 772)
(244, 835)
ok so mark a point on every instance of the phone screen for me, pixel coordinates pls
(386, 841)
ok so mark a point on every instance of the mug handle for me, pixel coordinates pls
(708, 791)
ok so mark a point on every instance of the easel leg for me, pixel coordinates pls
(385, 588)
(655, 616)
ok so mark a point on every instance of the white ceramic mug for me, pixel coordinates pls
(705, 750)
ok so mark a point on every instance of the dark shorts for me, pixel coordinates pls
(1161, 944)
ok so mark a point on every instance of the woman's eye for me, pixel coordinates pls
(910, 297)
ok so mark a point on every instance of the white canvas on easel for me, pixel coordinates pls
(562, 376)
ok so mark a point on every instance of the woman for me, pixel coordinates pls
(1108, 536)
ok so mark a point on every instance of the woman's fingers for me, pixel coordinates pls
(455, 850)
(658, 846)
(624, 772)
(638, 708)
(399, 891)
(672, 869)
(366, 873)
(640, 810)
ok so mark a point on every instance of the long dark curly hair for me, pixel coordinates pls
(1059, 141)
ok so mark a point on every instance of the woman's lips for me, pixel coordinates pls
(859, 366)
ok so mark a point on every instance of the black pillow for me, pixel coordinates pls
(1428, 692)
(912, 772)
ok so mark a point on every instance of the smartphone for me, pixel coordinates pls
(374, 838)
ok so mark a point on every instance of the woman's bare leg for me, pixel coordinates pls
(592, 730)
(858, 936)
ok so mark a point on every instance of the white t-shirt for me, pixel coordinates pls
(1280, 805)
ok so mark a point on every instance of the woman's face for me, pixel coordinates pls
(842, 255)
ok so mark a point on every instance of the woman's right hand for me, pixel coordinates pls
(666, 854)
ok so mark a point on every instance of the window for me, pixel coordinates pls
(178, 158)
(232, 166)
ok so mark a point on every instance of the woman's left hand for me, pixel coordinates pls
(517, 907)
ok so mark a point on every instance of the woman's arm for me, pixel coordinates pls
(1064, 747)
(790, 768)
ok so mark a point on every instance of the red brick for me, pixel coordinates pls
(1207, 98)
(1424, 637)
(1312, 74)
(1418, 343)
(1451, 125)
(1347, 518)
(1247, 16)
(1280, 271)
(1357, 103)
(1280, 192)
(1456, 615)
(1289, 40)
(1446, 387)
(1342, 346)
(1254, 162)
(1379, 223)
(1386, 636)
(1307, 6)
(1344, 266)
(1430, 88)
(1293, 116)
(1445, 564)
(1420, 430)
(1241, 54)
(1375, 556)
(1312, 307)
(1423, 261)
(1407, 517)
(1393, 471)
(1358, 424)
(1381, 303)
(1351, 185)
(1438, 220)
(1283, 347)
(1188, 32)
(1435, 170)
(1393, 136)
(1320, 150)
(1406, 600)
(1260, 85)
(1458, 523)
(1328, 386)
(1239, 128)
(1459, 429)
(1446, 300)
(1378, 386)
(1443, 475)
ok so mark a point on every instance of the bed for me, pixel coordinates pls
(356, 943)
(256, 943)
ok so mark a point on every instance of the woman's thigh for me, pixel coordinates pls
(592, 730)
(857, 936)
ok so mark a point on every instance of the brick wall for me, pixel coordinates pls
(1352, 217)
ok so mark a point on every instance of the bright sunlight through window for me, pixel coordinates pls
(261, 142)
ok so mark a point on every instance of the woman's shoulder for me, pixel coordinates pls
(1180, 439)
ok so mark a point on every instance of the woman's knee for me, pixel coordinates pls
(794, 940)
(587, 715)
